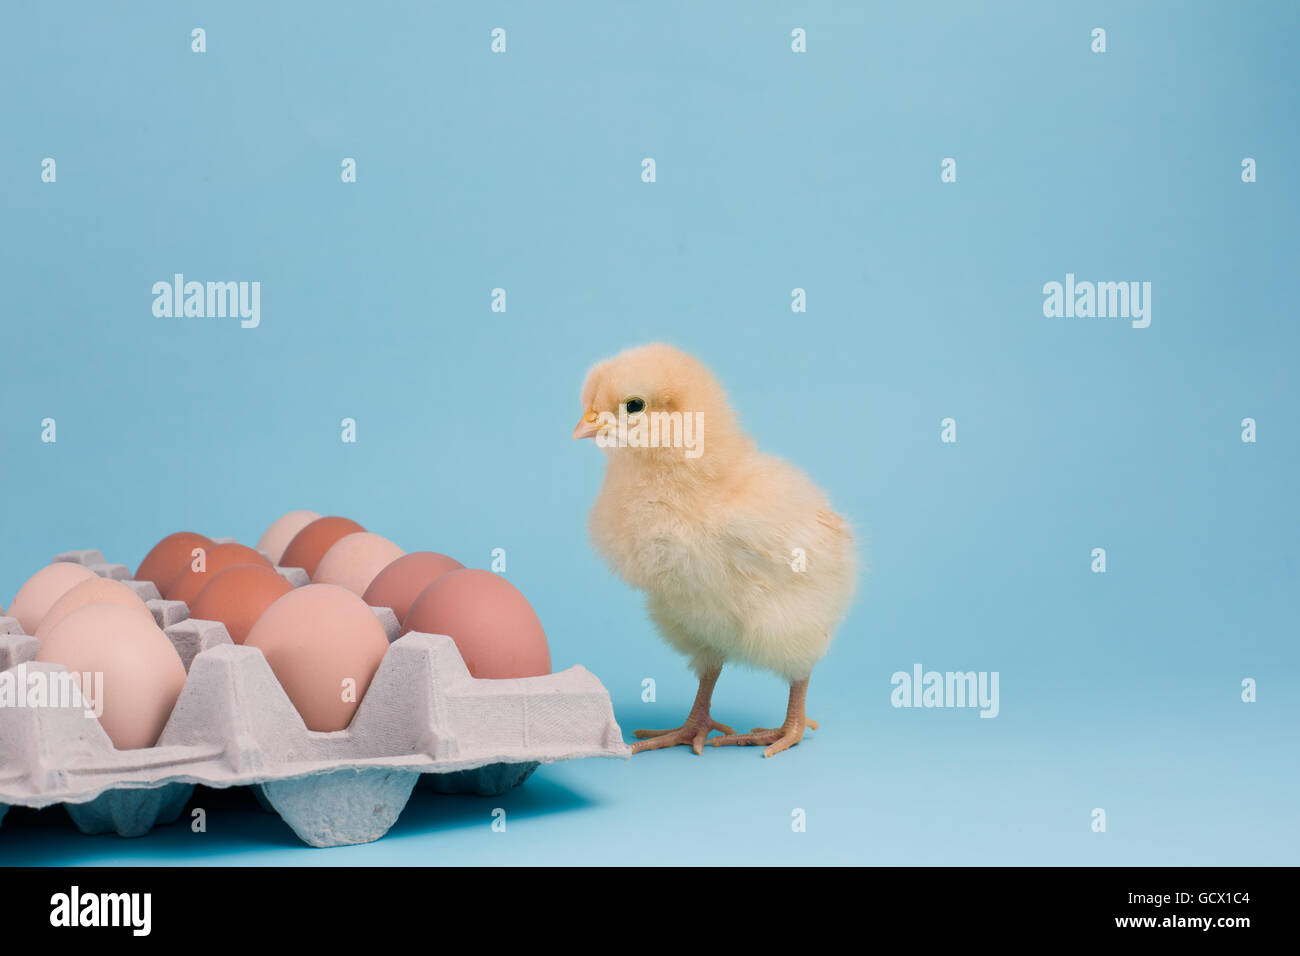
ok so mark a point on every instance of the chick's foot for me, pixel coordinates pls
(776, 739)
(698, 724)
(691, 732)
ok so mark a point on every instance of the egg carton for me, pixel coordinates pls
(423, 717)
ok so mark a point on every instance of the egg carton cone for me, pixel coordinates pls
(422, 717)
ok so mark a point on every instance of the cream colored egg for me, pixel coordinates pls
(126, 667)
(355, 560)
(42, 589)
(95, 591)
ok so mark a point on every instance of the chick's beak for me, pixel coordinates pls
(586, 427)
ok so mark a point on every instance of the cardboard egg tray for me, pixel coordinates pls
(423, 716)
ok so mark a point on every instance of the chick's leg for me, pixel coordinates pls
(780, 738)
(698, 724)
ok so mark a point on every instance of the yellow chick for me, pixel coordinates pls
(739, 554)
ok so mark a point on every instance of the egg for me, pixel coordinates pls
(170, 557)
(398, 584)
(142, 673)
(42, 589)
(282, 531)
(217, 558)
(494, 627)
(237, 597)
(310, 544)
(316, 638)
(94, 591)
(354, 560)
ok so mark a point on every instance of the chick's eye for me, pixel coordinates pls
(635, 406)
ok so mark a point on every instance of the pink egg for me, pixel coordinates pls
(355, 560)
(324, 645)
(142, 673)
(401, 582)
(95, 591)
(494, 627)
(42, 589)
(283, 530)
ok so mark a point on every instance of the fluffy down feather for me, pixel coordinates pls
(713, 540)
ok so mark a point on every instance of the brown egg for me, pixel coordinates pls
(398, 584)
(170, 557)
(217, 558)
(142, 673)
(93, 591)
(494, 627)
(324, 644)
(42, 589)
(237, 597)
(310, 544)
(354, 560)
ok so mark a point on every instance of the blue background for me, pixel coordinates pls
(775, 171)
